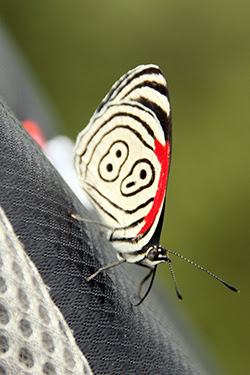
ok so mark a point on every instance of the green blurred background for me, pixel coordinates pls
(78, 49)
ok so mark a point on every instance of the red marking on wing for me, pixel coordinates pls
(163, 155)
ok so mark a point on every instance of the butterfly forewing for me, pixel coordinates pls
(123, 156)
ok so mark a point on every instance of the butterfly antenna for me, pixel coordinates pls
(208, 272)
(175, 283)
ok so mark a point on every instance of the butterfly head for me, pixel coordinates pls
(156, 254)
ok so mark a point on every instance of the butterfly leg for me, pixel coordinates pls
(105, 268)
(89, 221)
(151, 273)
(143, 282)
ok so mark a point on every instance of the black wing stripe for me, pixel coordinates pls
(153, 85)
(162, 116)
(126, 80)
(103, 209)
(142, 205)
(136, 75)
(130, 239)
(124, 114)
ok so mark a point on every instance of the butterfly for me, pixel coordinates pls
(122, 160)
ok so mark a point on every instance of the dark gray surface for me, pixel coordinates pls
(116, 337)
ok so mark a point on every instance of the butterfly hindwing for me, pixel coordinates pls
(123, 156)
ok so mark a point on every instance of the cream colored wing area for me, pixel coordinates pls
(122, 157)
(117, 166)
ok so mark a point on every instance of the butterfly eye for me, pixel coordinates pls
(113, 160)
(153, 253)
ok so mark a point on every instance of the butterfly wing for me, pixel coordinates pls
(123, 157)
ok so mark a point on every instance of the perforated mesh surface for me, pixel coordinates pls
(115, 337)
(34, 337)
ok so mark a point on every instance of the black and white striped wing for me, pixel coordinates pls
(123, 156)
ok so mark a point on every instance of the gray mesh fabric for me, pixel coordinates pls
(34, 338)
(115, 337)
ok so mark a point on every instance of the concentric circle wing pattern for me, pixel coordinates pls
(123, 157)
